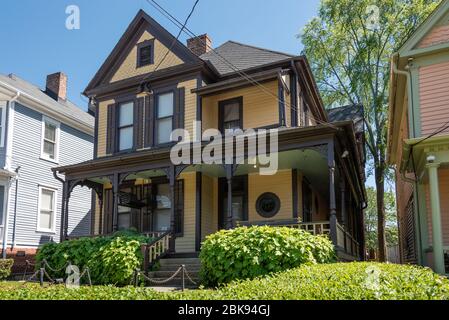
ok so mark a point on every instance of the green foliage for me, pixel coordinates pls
(244, 253)
(5, 267)
(339, 281)
(111, 260)
(391, 229)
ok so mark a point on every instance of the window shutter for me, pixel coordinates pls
(149, 121)
(179, 208)
(110, 134)
(179, 109)
(138, 123)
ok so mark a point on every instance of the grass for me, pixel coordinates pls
(351, 281)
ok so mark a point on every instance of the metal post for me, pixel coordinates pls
(41, 276)
(183, 276)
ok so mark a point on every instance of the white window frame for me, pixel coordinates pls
(5, 199)
(3, 105)
(57, 124)
(55, 209)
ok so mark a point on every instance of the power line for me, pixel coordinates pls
(244, 75)
(174, 40)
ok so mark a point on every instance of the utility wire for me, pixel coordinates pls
(244, 75)
(174, 40)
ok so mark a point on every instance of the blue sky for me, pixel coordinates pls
(35, 41)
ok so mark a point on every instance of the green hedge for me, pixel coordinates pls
(339, 281)
(111, 260)
(246, 253)
(5, 268)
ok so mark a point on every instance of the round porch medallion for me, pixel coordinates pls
(268, 205)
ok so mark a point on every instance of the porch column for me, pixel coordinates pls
(229, 217)
(332, 205)
(437, 236)
(115, 191)
(172, 181)
(100, 221)
(66, 220)
(343, 202)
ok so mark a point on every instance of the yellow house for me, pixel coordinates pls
(151, 84)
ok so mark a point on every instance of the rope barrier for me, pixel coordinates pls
(182, 268)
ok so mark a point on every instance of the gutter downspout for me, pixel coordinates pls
(6, 222)
(15, 210)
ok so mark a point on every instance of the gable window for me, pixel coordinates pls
(164, 117)
(231, 114)
(2, 123)
(126, 126)
(47, 210)
(50, 139)
(145, 53)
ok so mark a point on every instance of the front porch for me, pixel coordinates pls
(314, 189)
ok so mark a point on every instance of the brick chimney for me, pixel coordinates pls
(200, 45)
(56, 86)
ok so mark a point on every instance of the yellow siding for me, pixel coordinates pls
(102, 126)
(190, 105)
(187, 242)
(279, 184)
(129, 68)
(209, 206)
(259, 107)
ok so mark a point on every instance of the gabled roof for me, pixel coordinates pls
(64, 108)
(125, 41)
(410, 46)
(242, 56)
(352, 112)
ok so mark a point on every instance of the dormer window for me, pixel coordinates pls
(145, 53)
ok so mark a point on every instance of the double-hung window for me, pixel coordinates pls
(231, 114)
(164, 117)
(2, 123)
(50, 139)
(126, 126)
(47, 210)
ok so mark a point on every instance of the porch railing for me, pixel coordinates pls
(156, 249)
(347, 242)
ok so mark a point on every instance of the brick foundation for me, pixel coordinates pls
(20, 255)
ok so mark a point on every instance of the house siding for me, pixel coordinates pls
(434, 97)
(186, 243)
(74, 147)
(436, 36)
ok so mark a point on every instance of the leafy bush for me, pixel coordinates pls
(5, 268)
(111, 260)
(338, 281)
(244, 253)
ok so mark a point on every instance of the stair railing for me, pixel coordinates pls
(155, 250)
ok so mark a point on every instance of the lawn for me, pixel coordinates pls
(339, 281)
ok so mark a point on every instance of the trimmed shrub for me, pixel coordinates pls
(337, 281)
(111, 260)
(5, 268)
(245, 253)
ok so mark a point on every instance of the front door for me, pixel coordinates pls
(239, 200)
(162, 211)
(307, 202)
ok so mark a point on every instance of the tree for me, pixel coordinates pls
(349, 46)
(391, 227)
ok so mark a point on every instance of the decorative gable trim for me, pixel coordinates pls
(141, 22)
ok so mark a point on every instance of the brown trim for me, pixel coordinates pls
(138, 123)
(198, 209)
(222, 104)
(281, 98)
(143, 44)
(293, 100)
(110, 130)
(149, 121)
(138, 25)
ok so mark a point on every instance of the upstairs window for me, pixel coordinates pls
(50, 139)
(126, 126)
(164, 117)
(145, 53)
(2, 123)
(231, 114)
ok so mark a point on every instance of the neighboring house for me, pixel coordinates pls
(320, 182)
(418, 141)
(39, 130)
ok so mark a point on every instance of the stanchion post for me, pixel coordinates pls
(183, 276)
(41, 277)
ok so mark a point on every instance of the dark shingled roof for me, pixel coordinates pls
(242, 56)
(349, 112)
(66, 108)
